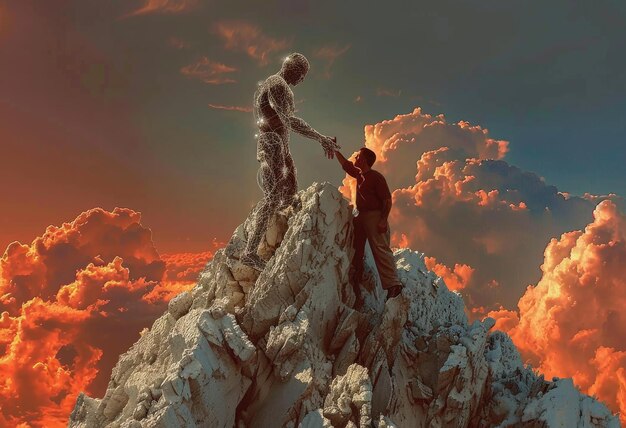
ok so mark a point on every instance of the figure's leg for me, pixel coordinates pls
(383, 256)
(289, 185)
(269, 151)
(250, 257)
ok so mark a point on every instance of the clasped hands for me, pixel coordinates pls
(329, 144)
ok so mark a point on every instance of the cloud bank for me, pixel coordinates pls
(572, 323)
(485, 225)
(71, 302)
(461, 203)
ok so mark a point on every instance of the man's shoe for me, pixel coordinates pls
(253, 261)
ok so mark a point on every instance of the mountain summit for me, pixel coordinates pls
(287, 348)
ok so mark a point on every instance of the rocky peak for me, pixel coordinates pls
(286, 348)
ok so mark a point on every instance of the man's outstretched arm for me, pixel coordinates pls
(347, 166)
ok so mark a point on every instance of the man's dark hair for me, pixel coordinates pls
(370, 156)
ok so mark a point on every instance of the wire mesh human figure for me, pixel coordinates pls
(273, 108)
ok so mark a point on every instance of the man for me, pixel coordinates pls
(274, 113)
(373, 203)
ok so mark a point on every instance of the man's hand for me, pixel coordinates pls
(329, 144)
(382, 226)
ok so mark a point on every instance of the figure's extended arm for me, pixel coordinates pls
(301, 127)
(281, 99)
(347, 166)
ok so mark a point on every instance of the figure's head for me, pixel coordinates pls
(365, 158)
(295, 66)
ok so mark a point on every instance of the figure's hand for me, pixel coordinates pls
(329, 144)
(382, 226)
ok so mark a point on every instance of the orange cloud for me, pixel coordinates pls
(231, 108)
(72, 302)
(573, 322)
(187, 266)
(94, 286)
(95, 236)
(181, 274)
(330, 55)
(245, 37)
(208, 71)
(38, 385)
(456, 279)
(416, 132)
(505, 319)
(456, 199)
(163, 7)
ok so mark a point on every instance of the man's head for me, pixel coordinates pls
(295, 66)
(365, 158)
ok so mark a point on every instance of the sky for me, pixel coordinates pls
(97, 110)
(128, 158)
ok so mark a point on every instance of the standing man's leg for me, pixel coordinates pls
(383, 256)
(358, 244)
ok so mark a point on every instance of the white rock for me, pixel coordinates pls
(285, 348)
(180, 304)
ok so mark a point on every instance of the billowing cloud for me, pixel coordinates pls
(73, 301)
(42, 370)
(243, 109)
(245, 37)
(456, 199)
(505, 318)
(485, 225)
(214, 73)
(181, 274)
(163, 7)
(95, 236)
(573, 322)
(330, 54)
(70, 343)
(456, 278)
(187, 266)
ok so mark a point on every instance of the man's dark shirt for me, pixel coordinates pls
(371, 187)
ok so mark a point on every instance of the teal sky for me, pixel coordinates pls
(96, 108)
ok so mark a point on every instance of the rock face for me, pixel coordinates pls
(286, 348)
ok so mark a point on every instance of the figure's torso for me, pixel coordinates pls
(273, 105)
